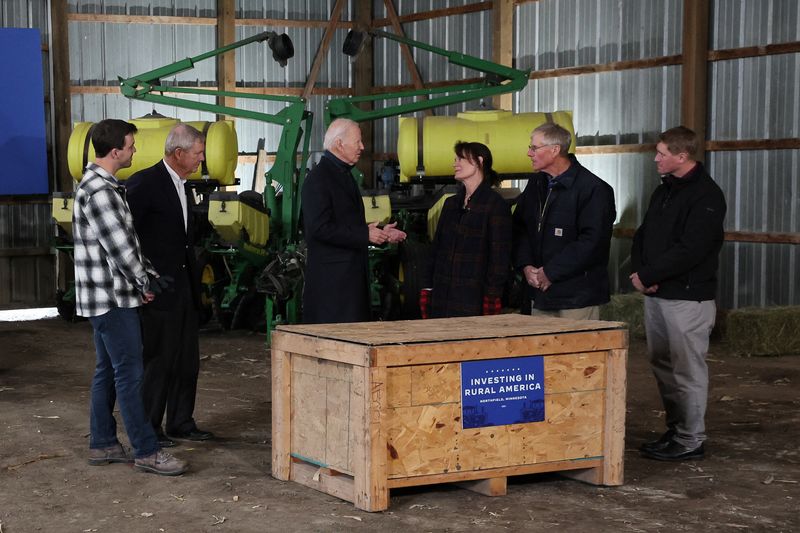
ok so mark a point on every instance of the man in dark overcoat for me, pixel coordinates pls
(337, 234)
(163, 220)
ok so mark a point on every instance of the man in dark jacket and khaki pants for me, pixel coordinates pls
(562, 230)
(674, 263)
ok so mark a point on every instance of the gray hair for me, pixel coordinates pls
(182, 136)
(553, 134)
(337, 130)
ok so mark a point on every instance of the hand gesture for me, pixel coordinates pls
(393, 234)
(376, 234)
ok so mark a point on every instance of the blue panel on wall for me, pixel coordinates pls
(23, 151)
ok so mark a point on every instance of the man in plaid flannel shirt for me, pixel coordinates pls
(112, 279)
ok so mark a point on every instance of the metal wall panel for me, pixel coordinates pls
(26, 279)
(567, 33)
(739, 23)
(755, 98)
(762, 189)
(162, 8)
(624, 107)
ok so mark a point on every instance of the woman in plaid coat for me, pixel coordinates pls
(472, 245)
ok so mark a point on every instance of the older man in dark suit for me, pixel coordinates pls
(163, 220)
(337, 234)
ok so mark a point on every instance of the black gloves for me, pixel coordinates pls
(159, 284)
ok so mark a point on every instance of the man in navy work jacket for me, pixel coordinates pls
(674, 263)
(562, 230)
(163, 219)
(337, 234)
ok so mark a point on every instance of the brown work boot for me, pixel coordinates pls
(112, 454)
(161, 463)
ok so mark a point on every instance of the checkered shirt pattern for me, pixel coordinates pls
(110, 270)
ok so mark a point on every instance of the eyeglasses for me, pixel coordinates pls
(534, 148)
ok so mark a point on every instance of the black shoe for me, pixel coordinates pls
(659, 444)
(164, 441)
(194, 434)
(676, 452)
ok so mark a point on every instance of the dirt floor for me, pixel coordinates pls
(750, 481)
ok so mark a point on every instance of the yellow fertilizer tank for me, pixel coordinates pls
(506, 134)
(238, 220)
(221, 147)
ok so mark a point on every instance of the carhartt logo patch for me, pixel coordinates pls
(559, 232)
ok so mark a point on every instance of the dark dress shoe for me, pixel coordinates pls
(194, 434)
(658, 444)
(676, 452)
(164, 441)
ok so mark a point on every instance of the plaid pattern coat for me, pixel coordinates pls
(110, 270)
(471, 253)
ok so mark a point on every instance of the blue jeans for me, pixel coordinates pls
(118, 376)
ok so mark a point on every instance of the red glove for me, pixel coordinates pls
(424, 302)
(492, 305)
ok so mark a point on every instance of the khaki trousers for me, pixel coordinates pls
(677, 344)
(583, 313)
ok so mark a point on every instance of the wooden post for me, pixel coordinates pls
(281, 412)
(614, 427)
(694, 76)
(226, 63)
(362, 84)
(503, 45)
(322, 51)
(368, 438)
(611, 472)
(62, 108)
(407, 55)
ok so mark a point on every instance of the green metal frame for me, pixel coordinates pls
(287, 171)
(500, 79)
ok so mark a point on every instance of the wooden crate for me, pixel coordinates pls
(359, 409)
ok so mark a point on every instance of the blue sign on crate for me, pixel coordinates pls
(498, 392)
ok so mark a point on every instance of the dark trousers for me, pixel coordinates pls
(171, 364)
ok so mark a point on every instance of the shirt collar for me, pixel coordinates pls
(103, 173)
(566, 178)
(174, 175)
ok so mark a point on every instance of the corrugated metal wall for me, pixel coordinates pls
(26, 264)
(757, 98)
(470, 33)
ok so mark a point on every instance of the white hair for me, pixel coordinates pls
(337, 130)
(182, 136)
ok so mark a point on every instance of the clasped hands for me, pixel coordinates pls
(639, 286)
(536, 277)
(388, 233)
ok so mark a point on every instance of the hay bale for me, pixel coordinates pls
(764, 331)
(628, 308)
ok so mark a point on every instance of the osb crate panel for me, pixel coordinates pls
(321, 399)
(441, 383)
(428, 439)
(423, 420)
